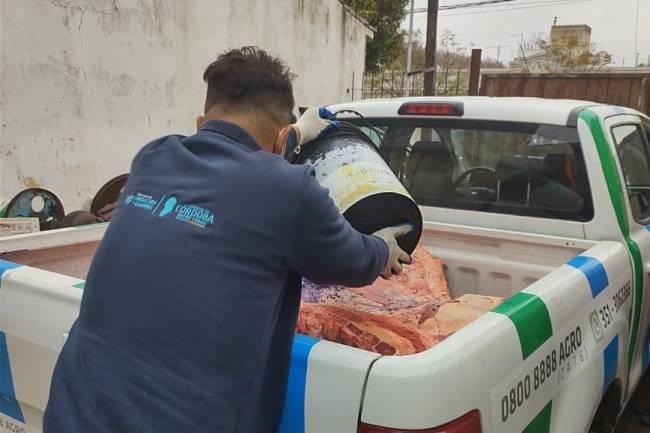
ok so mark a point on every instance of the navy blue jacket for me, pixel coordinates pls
(190, 304)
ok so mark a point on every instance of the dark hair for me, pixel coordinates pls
(249, 78)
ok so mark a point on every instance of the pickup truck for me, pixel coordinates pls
(542, 202)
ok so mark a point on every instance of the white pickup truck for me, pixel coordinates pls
(542, 202)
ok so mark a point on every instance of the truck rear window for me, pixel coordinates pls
(501, 167)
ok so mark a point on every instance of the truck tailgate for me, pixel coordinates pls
(37, 308)
(326, 385)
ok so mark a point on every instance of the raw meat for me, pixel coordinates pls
(406, 314)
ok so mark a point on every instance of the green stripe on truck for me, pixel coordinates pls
(615, 189)
(530, 316)
(542, 422)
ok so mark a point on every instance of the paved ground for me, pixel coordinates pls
(629, 423)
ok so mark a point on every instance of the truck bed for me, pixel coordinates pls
(40, 301)
(479, 261)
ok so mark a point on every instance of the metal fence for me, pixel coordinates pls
(394, 84)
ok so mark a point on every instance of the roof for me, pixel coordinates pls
(571, 26)
(511, 109)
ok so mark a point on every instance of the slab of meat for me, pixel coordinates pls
(406, 314)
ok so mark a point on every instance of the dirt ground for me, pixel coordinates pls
(629, 422)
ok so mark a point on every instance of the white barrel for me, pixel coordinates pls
(361, 184)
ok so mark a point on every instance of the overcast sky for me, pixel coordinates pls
(612, 24)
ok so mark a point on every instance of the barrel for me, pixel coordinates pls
(361, 184)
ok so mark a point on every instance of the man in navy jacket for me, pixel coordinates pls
(190, 304)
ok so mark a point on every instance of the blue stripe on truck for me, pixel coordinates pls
(293, 417)
(8, 403)
(610, 355)
(593, 270)
(5, 266)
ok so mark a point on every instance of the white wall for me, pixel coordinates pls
(86, 83)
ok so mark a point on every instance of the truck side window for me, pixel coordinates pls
(633, 153)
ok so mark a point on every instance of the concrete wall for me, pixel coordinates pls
(86, 83)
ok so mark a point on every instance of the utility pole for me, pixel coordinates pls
(430, 53)
(409, 48)
(636, 34)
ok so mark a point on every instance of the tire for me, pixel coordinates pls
(607, 413)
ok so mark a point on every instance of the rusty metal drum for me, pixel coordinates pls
(361, 184)
(39, 203)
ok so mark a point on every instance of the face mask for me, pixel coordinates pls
(281, 142)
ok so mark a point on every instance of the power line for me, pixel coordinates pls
(494, 9)
(494, 4)
(465, 5)
(557, 3)
(483, 3)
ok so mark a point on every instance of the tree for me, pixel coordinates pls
(567, 55)
(385, 16)
(452, 65)
(561, 56)
(450, 54)
(452, 70)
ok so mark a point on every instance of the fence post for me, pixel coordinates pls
(381, 85)
(446, 80)
(352, 85)
(457, 81)
(392, 83)
(474, 72)
(372, 84)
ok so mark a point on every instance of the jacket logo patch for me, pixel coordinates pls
(188, 213)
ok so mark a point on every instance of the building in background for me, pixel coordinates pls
(533, 57)
(86, 83)
(580, 33)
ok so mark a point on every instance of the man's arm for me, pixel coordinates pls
(325, 248)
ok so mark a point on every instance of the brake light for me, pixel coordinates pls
(468, 423)
(432, 109)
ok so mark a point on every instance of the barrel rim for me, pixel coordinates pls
(345, 128)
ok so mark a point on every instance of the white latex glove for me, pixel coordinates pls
(310, 125)
(396, 255)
